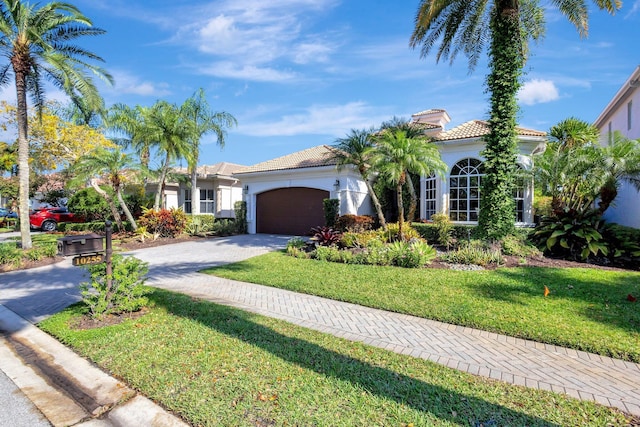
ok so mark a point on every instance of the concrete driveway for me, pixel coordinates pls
(40, 292)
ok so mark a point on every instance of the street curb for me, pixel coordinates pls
(110, 399)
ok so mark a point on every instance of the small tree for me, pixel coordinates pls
(125, 293)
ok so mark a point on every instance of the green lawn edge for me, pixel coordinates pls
(587, 308)
(221, 366)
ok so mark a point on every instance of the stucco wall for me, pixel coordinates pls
(343, 185)
(626, 207)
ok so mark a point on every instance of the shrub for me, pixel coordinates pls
(624, 245)
(393, 232)
(571, 235)
(240, 209)
(200, 224)
(444, 227)
(517, 245)
(94, 227)
(88, 203)
(327, 253)
(354, 223)
(127, 291)
(10, 254)
(165, 222)
(225, 227)
(331, 210)
(325, 236)
(361, 239)
(474, 252)
(412, 254)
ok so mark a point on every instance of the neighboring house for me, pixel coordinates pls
(458, 194)
(285, 195)
(622, 114)
(216, 192)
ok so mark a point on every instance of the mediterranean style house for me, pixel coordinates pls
(458, 194)
(622, 114)
(284, 195)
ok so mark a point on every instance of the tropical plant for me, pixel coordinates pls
(325, 236)
(412, 130)
(89, 204)
(573, 235)
(444, 226)
(112, 166)
(507, 26)
(122, 292)
(573, 132)
(39, 43)
(331, 209)
(474, 252)
(129, 127)
(396, 155)
(356, 149)
(621, 162)
(196, 110)
(164, 222)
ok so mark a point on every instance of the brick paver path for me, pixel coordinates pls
(582, 375)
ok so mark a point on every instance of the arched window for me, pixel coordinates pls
(430, 196)
(464, 190)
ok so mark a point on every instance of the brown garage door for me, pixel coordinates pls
(290, 210)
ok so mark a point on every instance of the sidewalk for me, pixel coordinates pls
(585, 376)
(67, 389)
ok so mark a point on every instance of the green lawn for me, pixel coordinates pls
(219, 366)
(587, 308)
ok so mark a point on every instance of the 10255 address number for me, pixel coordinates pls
(87, 259)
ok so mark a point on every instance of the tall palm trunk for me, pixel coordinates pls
(195, 202)
(110, 202)
(400, 210)
(163, 177)
(376, 204)
(411, 215)
(497, 206)
(125, 208)
(23, 155)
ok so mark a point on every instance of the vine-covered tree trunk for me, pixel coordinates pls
(497, 206)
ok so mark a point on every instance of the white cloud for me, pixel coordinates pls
(334, 120)
(634, 9)
(130, 84)
(538, 91)
(247, 72)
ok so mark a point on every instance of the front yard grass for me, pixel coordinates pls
(587, 308)
(220, 366)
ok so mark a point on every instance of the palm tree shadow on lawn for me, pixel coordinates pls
(443, 403)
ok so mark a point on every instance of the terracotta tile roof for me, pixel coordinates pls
(429, 111)
(322, 155)
(478, 128)
(222, 168)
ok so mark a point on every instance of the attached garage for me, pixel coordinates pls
(290, 210)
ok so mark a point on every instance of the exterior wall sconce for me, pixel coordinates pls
(336, 185)
(245, 190)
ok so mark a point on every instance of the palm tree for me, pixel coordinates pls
(465, 26)
(170, 134)
(196, 109)
(129, 125)
(396, 155)
(621, 162)
(573, 132)
(356, 149)
(412, 131)
(38, 43)
(112, 166)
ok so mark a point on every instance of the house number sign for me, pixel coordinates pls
(87, 259)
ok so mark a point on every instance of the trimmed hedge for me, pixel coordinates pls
(429, 232)
(95, 226)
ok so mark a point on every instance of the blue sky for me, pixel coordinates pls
(299, 73)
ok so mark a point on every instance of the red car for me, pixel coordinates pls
(47, 219)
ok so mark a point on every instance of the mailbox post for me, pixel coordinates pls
(109, 267)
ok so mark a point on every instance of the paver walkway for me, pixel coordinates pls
(582, 375)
